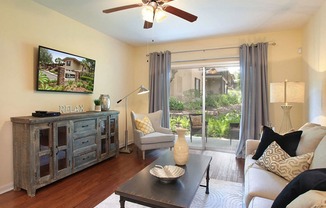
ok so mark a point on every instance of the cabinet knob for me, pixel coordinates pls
(85, 142)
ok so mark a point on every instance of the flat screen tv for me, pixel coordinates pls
(59, 71)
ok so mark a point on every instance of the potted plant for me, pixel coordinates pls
(97, 103)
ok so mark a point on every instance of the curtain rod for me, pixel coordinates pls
(213, 49)
(208, 59)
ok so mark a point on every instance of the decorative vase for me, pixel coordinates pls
(105, 102)
(97, 107)
(181, 148)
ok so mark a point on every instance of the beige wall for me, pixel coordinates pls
(24, 26)
(314, 58)
(121, 68)
(284, 61)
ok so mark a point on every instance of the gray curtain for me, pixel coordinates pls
(159, 84)
(254, 109)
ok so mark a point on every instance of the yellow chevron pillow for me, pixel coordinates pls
(144, 125)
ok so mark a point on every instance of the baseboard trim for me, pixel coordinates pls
(6, 188)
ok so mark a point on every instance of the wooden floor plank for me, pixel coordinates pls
(92, 185)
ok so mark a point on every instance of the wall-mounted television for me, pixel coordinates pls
(58, 71)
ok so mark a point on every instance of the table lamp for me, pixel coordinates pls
(286, 92)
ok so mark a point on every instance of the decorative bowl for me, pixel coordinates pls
(167, 173)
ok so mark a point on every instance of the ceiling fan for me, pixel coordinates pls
(155, 9)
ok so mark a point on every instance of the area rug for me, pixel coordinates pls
(223, 194)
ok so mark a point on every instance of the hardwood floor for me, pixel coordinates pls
(91, 186)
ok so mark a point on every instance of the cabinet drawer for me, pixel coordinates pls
(85, 159)
(84, 142)
(84, 125)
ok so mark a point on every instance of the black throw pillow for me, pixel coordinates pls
(288, 142)
(314, 179)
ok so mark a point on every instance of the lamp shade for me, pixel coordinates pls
(142, 90)
(287, 92)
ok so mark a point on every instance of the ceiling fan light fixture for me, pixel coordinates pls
(160, 15)
(148, 13)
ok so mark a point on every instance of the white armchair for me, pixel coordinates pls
(160, 138)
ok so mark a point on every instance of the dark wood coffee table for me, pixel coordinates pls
(145, 189)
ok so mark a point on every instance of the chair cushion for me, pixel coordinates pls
(156, 119)
(156, 137)
(288, 142)
(196, 121)
(276, 160)
(144, 125)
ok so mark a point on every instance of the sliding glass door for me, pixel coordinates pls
(222, 96)
(186, 103)
(206, 101)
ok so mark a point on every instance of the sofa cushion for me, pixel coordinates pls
(311, 198)
(271, 156)
(250, 163)
(276, 160)
(258, 202)
(319, 155)
(289, 142)
(310, 138)
(293, 166)
(308, 126)
(308, 180)
(262, 183)
(144, 125)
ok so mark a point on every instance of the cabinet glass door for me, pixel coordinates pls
(113, 134)
(103, 122)
(62, 148)
(43, 148)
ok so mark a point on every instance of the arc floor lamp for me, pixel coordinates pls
(142, 90)
(286, 92)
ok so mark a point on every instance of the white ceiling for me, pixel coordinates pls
(215, 18)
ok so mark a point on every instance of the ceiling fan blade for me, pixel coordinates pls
(122, 8)
(180, 13)
(148, 25)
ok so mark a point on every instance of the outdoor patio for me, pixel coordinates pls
(218, 144)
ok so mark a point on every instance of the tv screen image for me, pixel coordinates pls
(59, 71)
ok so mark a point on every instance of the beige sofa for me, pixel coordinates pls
(262, 187)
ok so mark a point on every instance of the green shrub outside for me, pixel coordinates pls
(179, 121)
(222, 100)
(218, 126)
(176, 104)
